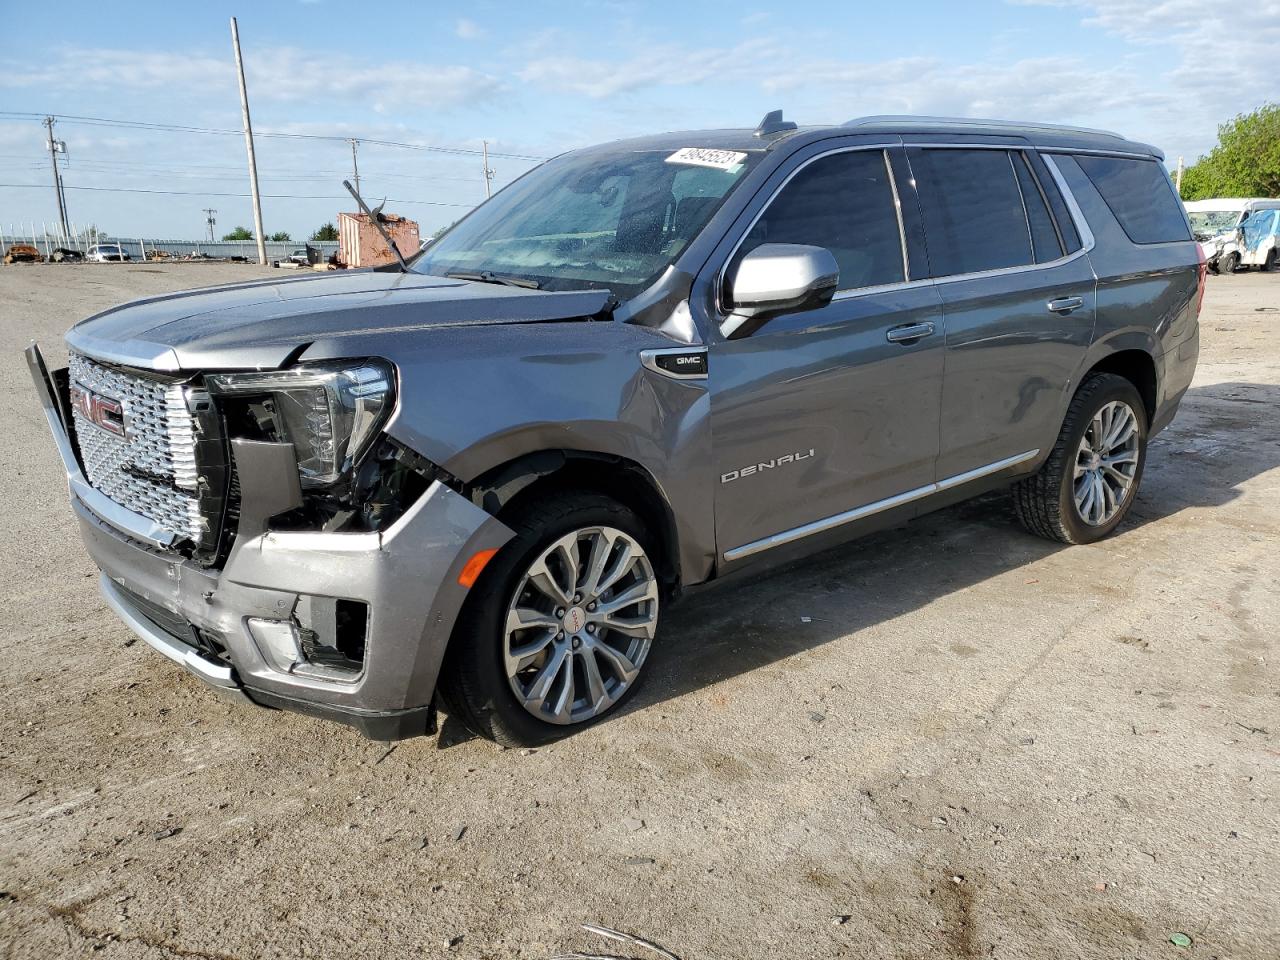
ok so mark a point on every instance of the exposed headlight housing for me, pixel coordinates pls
(329, 412)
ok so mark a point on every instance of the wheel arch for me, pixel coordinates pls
(1136, 365)
(504, 489)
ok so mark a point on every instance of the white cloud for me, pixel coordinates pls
(280, 73)
(468, 29)
(665, 66)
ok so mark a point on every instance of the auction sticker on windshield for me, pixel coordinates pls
(728, 160)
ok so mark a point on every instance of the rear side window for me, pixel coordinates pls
(1066, 227)
(1139, 194)
(843, 202)
(1044, 235)
(972, 208)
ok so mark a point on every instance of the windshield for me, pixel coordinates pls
(592, 220)
(1210, 223)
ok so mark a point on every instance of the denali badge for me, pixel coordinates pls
(766, 465)
(102, 412)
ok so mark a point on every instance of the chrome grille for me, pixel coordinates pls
(151, 470)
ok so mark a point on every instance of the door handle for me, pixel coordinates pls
(909, 333)
(1065, 304)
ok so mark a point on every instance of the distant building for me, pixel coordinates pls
(361, 245)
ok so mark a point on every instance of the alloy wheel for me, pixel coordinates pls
(580, 625)
(1106, 463)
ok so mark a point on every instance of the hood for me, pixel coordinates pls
(261, 325)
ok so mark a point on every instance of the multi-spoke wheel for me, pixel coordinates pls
(557, 630)
(1106, 462)
(580, 624)
(1087, 484)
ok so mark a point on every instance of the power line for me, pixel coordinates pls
(190, 170)
(278, 134)
(207, 193)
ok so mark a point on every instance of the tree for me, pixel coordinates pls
(280, 236)
(1246, 161)
(239, 233)
(327, 232)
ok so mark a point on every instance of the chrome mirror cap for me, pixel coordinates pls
(780, 276)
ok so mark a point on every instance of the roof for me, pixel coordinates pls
(1045, 135)
(1037, 134)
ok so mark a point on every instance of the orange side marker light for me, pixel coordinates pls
(473, 568)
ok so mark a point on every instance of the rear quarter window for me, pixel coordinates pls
(1139, 194)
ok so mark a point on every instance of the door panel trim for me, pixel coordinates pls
(858, 513)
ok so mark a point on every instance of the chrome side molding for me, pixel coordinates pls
(859, 513)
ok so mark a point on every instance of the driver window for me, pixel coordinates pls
(843, 202)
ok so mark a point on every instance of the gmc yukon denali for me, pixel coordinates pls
(479, 479)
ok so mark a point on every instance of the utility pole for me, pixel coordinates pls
(355, 167)
(210, 221)
(248, 143)
(54, 147)
(488, 174)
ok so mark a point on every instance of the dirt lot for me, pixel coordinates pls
(953, 740)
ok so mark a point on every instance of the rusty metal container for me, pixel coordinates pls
(360, 244)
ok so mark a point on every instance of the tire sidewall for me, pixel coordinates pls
(484, 631)
(1114, 388)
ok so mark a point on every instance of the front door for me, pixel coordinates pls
(819, 412)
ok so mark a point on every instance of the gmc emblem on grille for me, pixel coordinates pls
(102, 412)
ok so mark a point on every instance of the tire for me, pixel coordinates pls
(475, 685)
(1229, 263)
(1269, 264)
(1047, 504)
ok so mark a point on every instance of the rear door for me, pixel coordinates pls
(817, 412)
(1018, 296)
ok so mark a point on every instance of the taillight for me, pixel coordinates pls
(1203, 276)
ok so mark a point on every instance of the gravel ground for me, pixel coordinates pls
(950, 740)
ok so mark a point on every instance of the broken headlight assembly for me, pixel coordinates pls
(331, 413)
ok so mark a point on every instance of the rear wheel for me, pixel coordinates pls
(1086, 487)
(1269, 264)
(556, 632)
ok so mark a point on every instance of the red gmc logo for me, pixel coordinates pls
(102, 412)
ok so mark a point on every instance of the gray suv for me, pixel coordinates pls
(478, 480)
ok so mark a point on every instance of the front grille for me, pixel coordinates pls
(152, 469)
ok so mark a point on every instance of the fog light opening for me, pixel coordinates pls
(331, 632)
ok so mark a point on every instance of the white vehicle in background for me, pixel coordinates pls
(106, 252)
(1237, 232)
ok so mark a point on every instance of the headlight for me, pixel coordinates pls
(330, 412)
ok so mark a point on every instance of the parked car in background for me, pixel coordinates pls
(481, 479)
(66, 255)
(1236, 232)
(22, 253)
(106, 253)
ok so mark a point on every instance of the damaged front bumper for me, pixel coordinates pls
(232, 627)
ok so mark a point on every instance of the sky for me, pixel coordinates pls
(534, 79)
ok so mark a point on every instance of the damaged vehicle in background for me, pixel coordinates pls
(107, 253)
(479, 480)
(1236, 232)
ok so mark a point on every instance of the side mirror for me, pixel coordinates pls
(780, 277)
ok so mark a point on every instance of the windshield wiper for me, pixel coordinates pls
(486, 276)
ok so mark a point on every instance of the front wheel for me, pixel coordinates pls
(1085, 488)
(1229, 263)
(557, 631)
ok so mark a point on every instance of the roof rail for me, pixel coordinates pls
(974, 122)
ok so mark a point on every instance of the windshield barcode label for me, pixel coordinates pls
(704, 157)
